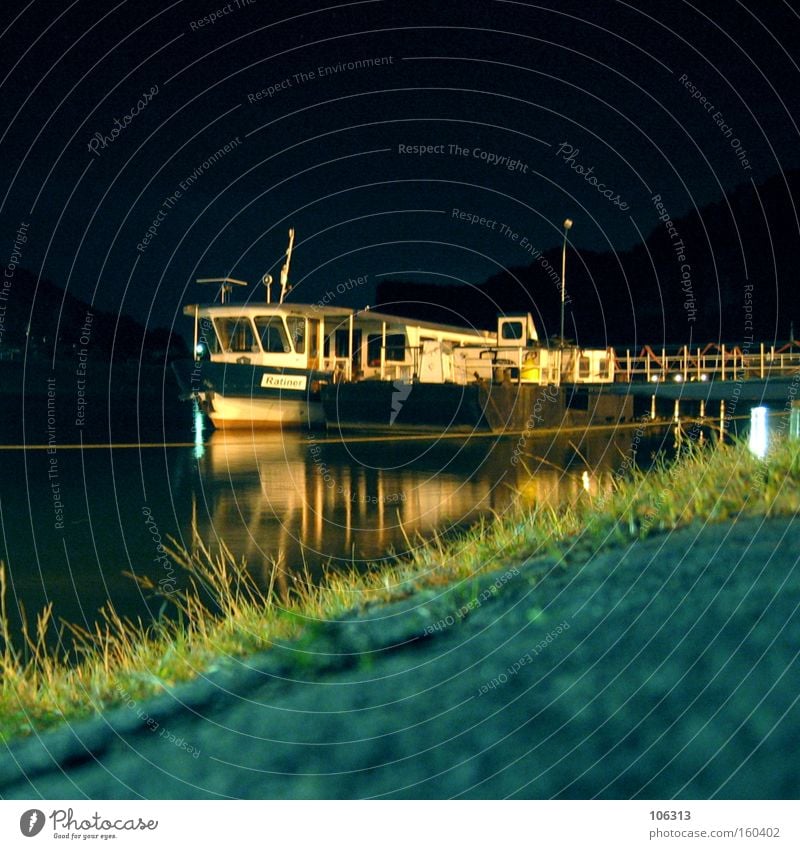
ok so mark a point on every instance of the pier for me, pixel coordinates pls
(531, 388)
(699, 373)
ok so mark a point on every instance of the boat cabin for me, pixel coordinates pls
(274, 335)
(516, 331)
(387, 347)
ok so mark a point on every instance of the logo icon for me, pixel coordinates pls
(401, 391)
(31, 822)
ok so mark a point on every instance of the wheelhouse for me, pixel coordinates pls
(280, 336)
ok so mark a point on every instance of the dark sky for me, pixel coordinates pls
(673, 99)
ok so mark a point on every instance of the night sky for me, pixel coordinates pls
(147, 143)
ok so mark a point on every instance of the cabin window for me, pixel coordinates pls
(208, 338)
(602, 367)
(584, 367)
(512, 330)
(313, 337)
(273, 334)
(297, 332)
(395, 348)
(341, 345)
(235, 334)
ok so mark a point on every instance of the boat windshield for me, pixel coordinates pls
(297, 329)
(272, 333)
(235, 334)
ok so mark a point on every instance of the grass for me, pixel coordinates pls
(222, 612)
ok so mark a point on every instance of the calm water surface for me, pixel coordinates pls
(74, 521)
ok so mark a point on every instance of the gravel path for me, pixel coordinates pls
(667, 669)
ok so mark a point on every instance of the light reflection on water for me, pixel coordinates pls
(300, 499)
(306, 500)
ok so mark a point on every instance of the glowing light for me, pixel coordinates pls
(200, 349)
(198, 426)
(759, 432)
(678, 378)
(585, 480)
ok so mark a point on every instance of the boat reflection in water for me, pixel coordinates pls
(306, 500)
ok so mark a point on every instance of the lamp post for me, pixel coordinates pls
(567, 228)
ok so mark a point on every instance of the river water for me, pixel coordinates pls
(74, 520)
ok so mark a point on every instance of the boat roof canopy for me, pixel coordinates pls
(413, 322)
(310, 310)
(317, 310)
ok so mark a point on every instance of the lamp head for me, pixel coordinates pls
(567, 223)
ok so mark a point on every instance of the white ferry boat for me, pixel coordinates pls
(266, 365)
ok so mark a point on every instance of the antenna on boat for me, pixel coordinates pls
(226, 285)
(285, 270)
(267, 281)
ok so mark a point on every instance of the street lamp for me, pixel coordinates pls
(567, 228)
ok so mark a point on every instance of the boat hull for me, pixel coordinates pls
(379, 405)
(235, 395)
(480, 406)
(255, 413)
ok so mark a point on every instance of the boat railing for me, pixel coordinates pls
(554, 365)
(338, 366)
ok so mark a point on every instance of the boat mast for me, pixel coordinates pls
(285, 270)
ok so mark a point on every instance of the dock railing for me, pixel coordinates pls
(712, 362)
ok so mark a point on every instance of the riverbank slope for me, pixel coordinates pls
(667, 667)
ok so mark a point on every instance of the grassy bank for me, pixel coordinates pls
(122, 659)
